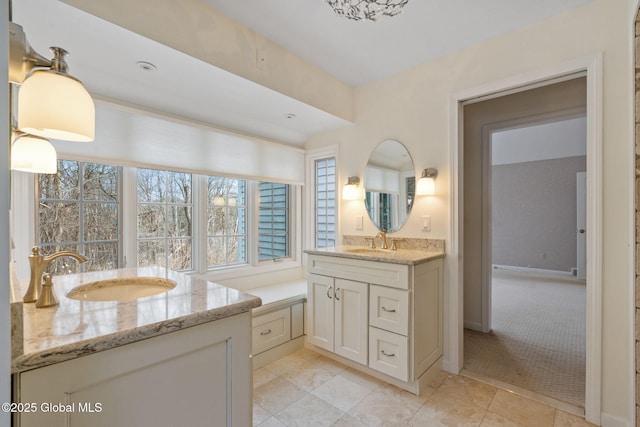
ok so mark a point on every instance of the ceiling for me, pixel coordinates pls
(104, 56)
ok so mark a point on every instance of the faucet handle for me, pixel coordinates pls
(47, 297)
(372, 242)
(394, 246)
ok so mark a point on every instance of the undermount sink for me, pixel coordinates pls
(121, 289)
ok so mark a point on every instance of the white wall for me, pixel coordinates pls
(414, 108)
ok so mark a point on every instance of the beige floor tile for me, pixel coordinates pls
(360, 378)
(309, 411)
(564, 419)
(262, 376)
(348, 421)
(341, 393)
(524, 411)
(385, 409)
(272, 422)
(327, 364)
(448, 410)
(467, 389)
(294, 361)
(276, 395)
(495, 420)
(260, 415)
(308, 378)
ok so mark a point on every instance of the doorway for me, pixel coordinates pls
(533, 333)
(463, 252)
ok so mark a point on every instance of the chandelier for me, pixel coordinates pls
(366, 9)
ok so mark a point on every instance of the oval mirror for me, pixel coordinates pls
(389, 184)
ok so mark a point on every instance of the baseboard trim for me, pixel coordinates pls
(608, 420)
(474, 326)
(532, 270)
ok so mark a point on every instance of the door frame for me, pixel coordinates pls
(592, 65)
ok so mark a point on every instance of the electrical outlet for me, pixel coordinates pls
(426, 222)
(359, 222)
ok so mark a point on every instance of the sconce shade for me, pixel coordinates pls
(426, 185)
(55, 105)
(33, 154)
(351, 190)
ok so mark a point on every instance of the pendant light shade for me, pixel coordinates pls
(33, 154)
(55, 105)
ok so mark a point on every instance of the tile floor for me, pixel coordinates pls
(307, 389)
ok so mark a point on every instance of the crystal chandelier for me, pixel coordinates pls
(366, 9)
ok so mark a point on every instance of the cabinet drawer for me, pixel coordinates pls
(381, 273)
(388, 353)
(270, 329)
(389, 309)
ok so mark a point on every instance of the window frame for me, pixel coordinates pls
(25, 214)
(310, 193)
(81, 202)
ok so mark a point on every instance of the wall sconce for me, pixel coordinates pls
(351, 190)
(51, 103)
(426, 185)
(33, 154)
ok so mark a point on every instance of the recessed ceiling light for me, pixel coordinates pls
(146, 66)
(290, 116)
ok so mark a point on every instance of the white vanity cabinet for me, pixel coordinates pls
(199, 375)
(395, 309)
(337, 316)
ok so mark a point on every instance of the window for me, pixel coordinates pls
(226, 222)
(79, 210)
(176, 220)
(325, 202)
(273, 222)
(164, 219)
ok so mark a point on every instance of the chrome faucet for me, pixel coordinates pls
(39, 264)
(383, 235)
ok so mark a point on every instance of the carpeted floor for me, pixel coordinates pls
(538, 337)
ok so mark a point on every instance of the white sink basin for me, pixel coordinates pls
(121, 289)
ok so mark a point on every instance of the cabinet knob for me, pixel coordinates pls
(387, 354)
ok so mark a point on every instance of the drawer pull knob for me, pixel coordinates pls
(393, 310)
(386, 354)
(267, 332)
(329, 292)
(335, 294)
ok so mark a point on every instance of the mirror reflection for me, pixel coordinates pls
(389, 183)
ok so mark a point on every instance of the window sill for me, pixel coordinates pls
(247, 270)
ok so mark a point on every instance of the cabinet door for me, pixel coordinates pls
(320, 311)
(351, 320)
(192, 377)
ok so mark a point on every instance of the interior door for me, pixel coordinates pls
(581, 225)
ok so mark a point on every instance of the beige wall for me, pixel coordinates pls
(637, 219)
(414, 108)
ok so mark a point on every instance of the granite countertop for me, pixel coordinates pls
(77, 328)
(399, 256)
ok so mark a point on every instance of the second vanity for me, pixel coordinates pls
(379, 311)
(181, 357)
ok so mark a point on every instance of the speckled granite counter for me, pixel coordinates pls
(77, 328)
(400, 256)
